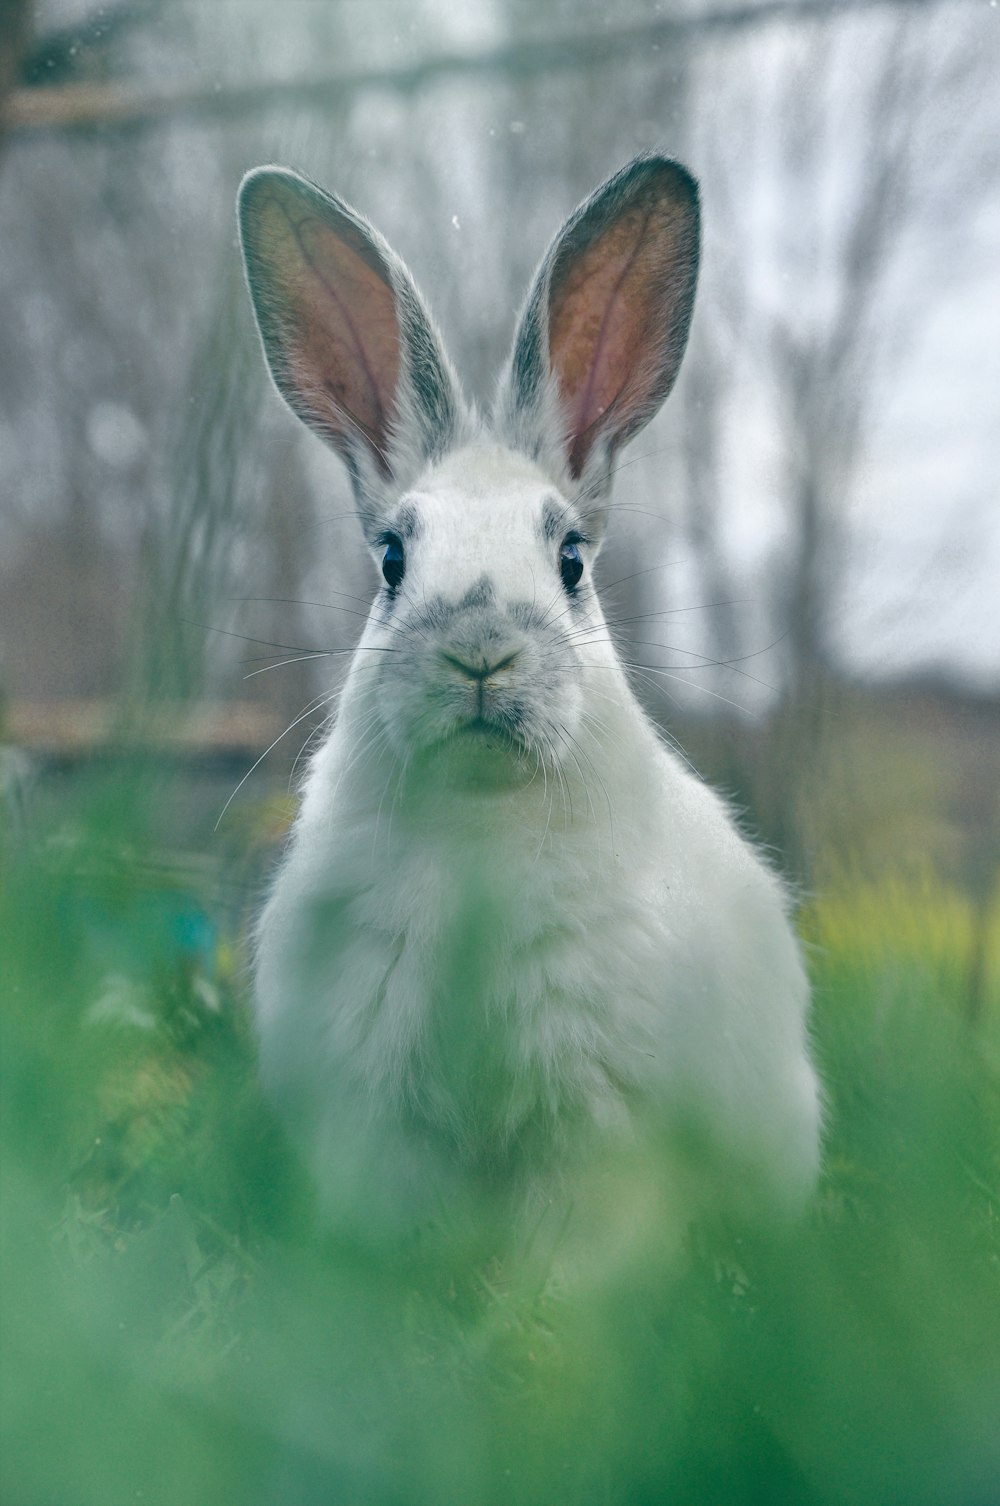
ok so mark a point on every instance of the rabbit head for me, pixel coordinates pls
(484, 528)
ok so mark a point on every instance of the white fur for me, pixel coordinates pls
(475, 958)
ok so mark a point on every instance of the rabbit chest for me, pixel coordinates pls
(476, 982)
(503, 977)
(467, 993)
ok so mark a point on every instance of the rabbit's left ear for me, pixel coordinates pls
(604, 329)
(348, 340)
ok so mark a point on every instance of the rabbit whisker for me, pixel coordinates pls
(316, 732)
(546, 802)
(653, 669)
(622, 580)
(313, 705)
(572, 746)
(280, 663)
(604, 789)
(564, 786)
(319, 653)
(704, 661)
(295, 601)
(544, 620)
(258, 658)
(286, 648)
(703, 606)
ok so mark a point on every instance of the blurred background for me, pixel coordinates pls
(803, 571)
(813, 517)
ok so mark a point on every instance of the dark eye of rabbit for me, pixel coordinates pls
(570, 563)
(393, 562)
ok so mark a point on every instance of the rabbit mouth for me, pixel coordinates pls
(493, 733)
(478, 754)
(491, 739)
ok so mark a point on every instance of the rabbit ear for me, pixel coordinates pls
(346, 335)
(602, 335)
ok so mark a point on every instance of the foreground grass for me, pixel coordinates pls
(176, 1329)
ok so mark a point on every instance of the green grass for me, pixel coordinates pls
(177, 1329)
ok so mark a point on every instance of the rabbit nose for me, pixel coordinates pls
(480, 668)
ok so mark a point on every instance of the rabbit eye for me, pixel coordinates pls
(570, 564)
(393, 563)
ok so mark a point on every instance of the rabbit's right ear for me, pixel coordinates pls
(348, 340)
(604, 329)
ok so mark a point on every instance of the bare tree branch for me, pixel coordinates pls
(83, 107)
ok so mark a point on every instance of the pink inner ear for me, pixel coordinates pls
(337, 314)
(607, 323)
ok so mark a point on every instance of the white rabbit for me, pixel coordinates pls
(509, 918)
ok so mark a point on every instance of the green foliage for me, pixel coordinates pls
(178, 1328)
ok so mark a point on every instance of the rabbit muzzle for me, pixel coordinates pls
(498, 693)
(479, 683)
